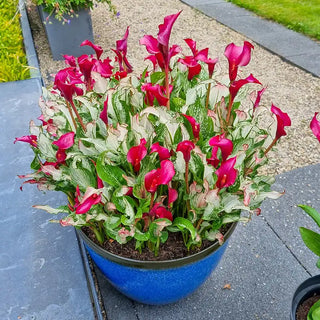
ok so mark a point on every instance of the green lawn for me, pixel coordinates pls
(299, 15)
(13, 62)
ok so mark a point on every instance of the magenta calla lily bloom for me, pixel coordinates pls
(70, 60)
(225, 145)
(66, 141)
(32, 140)
(156, 177)
(96, 48)
(163, 152)
(121, 52)
(194, 67)
(160, 47)
(283, 120)
(237, 56)
(65, 81)
(165, 30)
(226, 174)
(186, 147)
(236, 85)
(104, 68)
(154, 92)
(104, 113)
(136, 154)
(259, 95)
(86, 205)
(61, 156)
(195, 126)
(315, 126)
(172, 195)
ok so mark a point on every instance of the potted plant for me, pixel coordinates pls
(306, 300)
(67, 23)
(157, 167)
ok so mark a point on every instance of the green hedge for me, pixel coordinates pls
(13, 61)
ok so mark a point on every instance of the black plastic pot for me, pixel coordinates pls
(66, 38)
(306, 290)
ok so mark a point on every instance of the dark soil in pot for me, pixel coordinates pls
(172, 249)
(303, 309)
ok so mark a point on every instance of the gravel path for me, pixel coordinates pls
(291, 89)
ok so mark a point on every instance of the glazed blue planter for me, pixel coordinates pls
(157, 282)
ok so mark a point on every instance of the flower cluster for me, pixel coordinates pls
(62, 10)
(175, 149)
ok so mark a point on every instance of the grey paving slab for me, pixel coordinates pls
(260, 269)
(302, 186)
(291, 46)
(41, 271)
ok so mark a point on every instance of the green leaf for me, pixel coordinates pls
(113, 175)
(196, 166)
(183, 223)
(35, 164)
(314, 312)
(82, 177)
(157, 77)
(311, 240)
(140, 236)
(314, 214)
(46, 148)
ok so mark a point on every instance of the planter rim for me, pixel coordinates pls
(309, 285)
(162, 264)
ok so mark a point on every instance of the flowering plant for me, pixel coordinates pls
(309, 237)
(62, 8)
(174, 150)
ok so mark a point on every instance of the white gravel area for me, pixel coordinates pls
(289, 88)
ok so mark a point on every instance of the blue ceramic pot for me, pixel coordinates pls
(157, 282)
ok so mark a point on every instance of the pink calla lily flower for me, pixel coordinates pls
(237, 56)
(65, 81)
(236, 85)
(121, 52)
(86, 204)
(66, 141)
(136, 154)
(162, 175)
(96, 48)
(195, 126)
(186, 147)
(172, 195)
(32, 140)
(154, 92)
(259, 95)
(225, 145)
(226, 174)
(283, 120)
(163, 152)
(315, 126)
(104, 113)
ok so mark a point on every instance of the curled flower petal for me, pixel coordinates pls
(172, 195)
(283, 120)
(225, 145)
(136, 154)
(185, 147)
(162, 175)
(195, 126)
(315, 126)
(236, 85)
(165, 29)
(96, 48)
(86, 205)
(237, 56)
(104, 112)
(163, 152)
(32, 140)
(259, 95)
(66, 141)
(226, 174)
